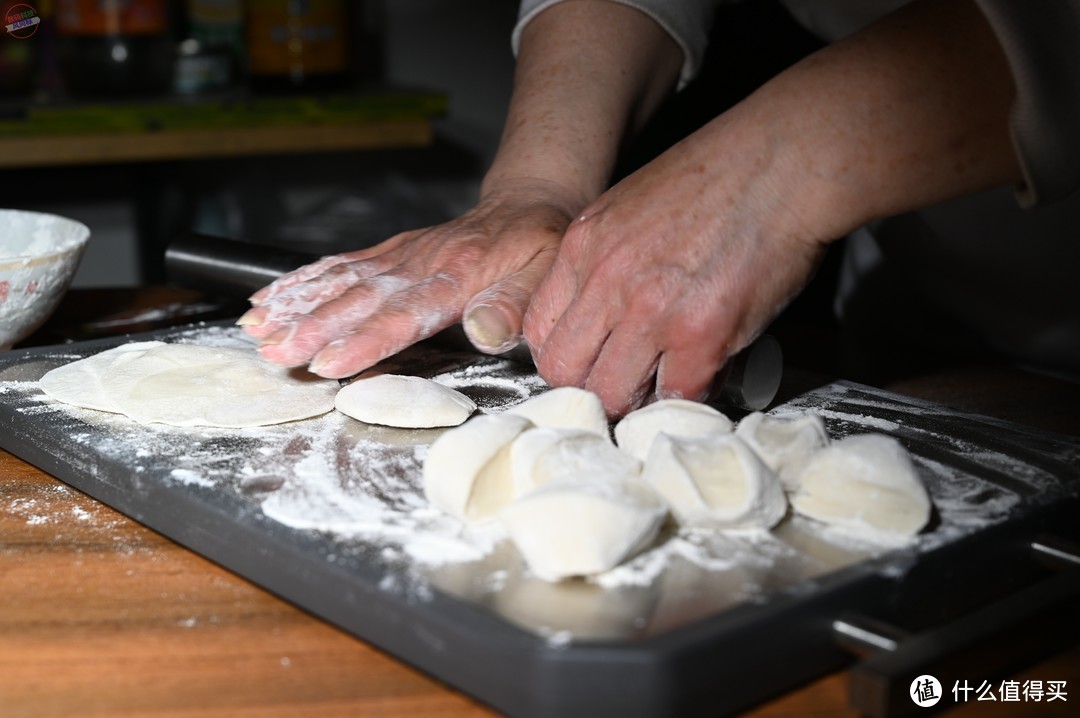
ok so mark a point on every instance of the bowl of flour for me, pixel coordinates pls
(39, 254)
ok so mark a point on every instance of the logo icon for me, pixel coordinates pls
(925, 691)
(21, 21)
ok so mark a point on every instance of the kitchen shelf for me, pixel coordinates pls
(83, 134)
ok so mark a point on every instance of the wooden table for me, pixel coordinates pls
(100, 616)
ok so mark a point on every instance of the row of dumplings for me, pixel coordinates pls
(576, 502)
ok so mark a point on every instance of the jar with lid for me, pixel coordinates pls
(115, 47)
(298, 45)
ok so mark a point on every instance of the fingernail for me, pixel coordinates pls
(327, 355)
(252, 317)
(280, 336)
(488, 330)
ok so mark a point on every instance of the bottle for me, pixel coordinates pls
(211, 55)
(115, 48)
(20, 51)
(298, 45)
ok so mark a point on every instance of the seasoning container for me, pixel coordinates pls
(115, 47)
(211, 54)
(298, 45)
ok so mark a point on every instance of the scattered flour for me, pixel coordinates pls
(359, 486)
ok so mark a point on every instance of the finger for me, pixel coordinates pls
(304, 298)
(409, 316)
(687, 374)
(319, 267)
(548, 304)
(493, 318)
(696, 347)
(623, 375)
(297, 340)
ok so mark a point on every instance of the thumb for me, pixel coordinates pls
(492, 318)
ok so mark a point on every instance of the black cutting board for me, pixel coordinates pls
(701, 625)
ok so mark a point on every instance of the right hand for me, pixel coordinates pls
(342, 314)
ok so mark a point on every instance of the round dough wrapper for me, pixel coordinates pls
(635, 432)
(546, 454)
(190, 385)
(408, 402)
(467, 469)
(565, 407)
(581, 528)
(785, 443)
(715, 481)
(865, 485)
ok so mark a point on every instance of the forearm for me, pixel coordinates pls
(909, 112)
(578, 93)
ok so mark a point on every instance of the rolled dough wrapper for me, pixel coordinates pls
(867, 486)
(546, 454)
(585, 527)
(715, 481)
(156, 382)
(635, 432)
(565, 407)
(785, 444)
(408, 402)
(467, 469)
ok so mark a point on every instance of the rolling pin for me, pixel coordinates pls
(227, 267)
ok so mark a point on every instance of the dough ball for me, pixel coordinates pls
(676, 417)
(565, 407)
(785, 444)
(190, 385)
(584, 527)
(545, 454)
(715, 481)
(867, 486)
(467, 469)
(409, 402)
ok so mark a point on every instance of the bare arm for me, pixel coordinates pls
(577, 93)
(683, 263)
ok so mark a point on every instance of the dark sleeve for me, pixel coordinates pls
(1042, 44)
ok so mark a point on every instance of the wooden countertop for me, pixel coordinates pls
(100, 616)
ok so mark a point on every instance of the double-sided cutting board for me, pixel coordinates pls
(328, 513)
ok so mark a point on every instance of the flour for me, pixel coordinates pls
(354, 489)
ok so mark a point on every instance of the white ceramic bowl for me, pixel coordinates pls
(38, 257)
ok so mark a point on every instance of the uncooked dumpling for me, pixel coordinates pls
(865, 485)
(545, 454)
(565, 407)
(676, 417)
(581, 528)
(715, 481)
(409, 402)
(467, 469)
(190, 385)
(785, 444)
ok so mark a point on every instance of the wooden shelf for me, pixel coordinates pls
(110, 148)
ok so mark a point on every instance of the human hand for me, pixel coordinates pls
(344, 313)
(671, 272)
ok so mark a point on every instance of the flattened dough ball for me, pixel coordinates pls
(715, 481)
(467, 469)
(408, 402)
(190, 385)
(581, 528)
(785, 444)
(565, 407)
(865, 485)
(635, 432)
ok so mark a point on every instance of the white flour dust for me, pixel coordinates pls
(360, 483)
